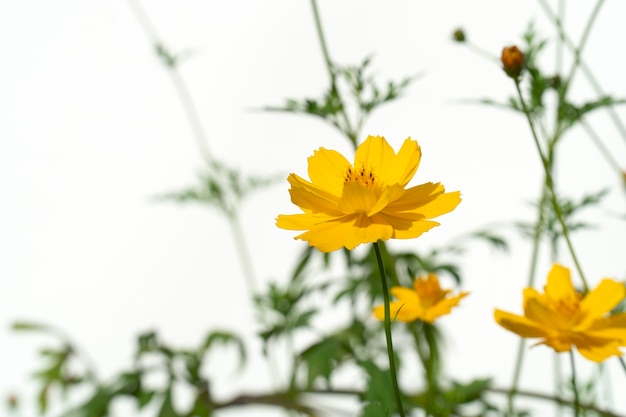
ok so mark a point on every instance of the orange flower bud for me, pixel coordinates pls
(512, 61)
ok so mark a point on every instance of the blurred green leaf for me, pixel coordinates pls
(225, 338)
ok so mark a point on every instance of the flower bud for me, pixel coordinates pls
(458, 35)
(512, 61)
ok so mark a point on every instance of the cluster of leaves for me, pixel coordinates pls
(549, 225)
(363, 93)
(357, 344)
(221, 187)
(66, 370)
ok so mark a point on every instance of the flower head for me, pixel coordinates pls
(512, 61)
(345, 204)
(425, 301)
(563, 317)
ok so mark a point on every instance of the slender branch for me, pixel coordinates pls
(347, 130)
(550, 184)
(601, 147)
(615, 118)
(171, 63)
(532, 272)
(574, 385)
(392, 362)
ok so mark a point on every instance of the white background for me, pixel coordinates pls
(91, 130)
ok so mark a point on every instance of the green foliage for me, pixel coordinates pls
(286, 313)
(221, 187)
(183, 367)
(377, 398)
(571, 210)
(323, 357)
(364, 95)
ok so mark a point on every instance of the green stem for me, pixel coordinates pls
(392, 361)
(601, 147)
(534, 257)
(574, 385)
(550, 184)
(347, 130)
(243, 251)
(615, 118)
(170, 62)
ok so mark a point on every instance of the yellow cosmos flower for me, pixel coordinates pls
(426, 301)
(563, 318)
(346, 204)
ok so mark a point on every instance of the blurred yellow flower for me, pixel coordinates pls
(563, 318)
(345, 204)
(426, 301)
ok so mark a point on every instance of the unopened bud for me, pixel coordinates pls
(458, 35)
(512, 61)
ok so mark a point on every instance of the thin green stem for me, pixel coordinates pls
(621, 361)
(347, 130)
(550, 185)
(534, 257)
(601, 147)
(392, 361)
(574, 385)
(244, 254)
(171, 63)
(584, 68)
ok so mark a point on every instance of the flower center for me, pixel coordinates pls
(568, 309)
(429, 291)
(363, 176)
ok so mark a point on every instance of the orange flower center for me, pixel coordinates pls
(568, 309)
(363, 176)
(429, 291)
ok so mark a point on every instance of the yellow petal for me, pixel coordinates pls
(405, 295)
(599, 353)
(303, 221)
(559, 284)
(416, 197)
(544, 316)
(415, 230)
(530, 293)
(603, 298)
(443, 307)
(444, 203)
(611, 327)
(389, 194)
(558, 343)
(308, 196)
(404, 164)
(398, 311)
(327, 169)
(520, 325)
(375, 154)
(356, 198)
(348, 231)
(597, 349)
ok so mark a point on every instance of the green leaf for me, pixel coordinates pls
(224, 338)
(167, 408)
(22, 326)
(323, 357)
(144, 398)
(96, 406)
(379, 392)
